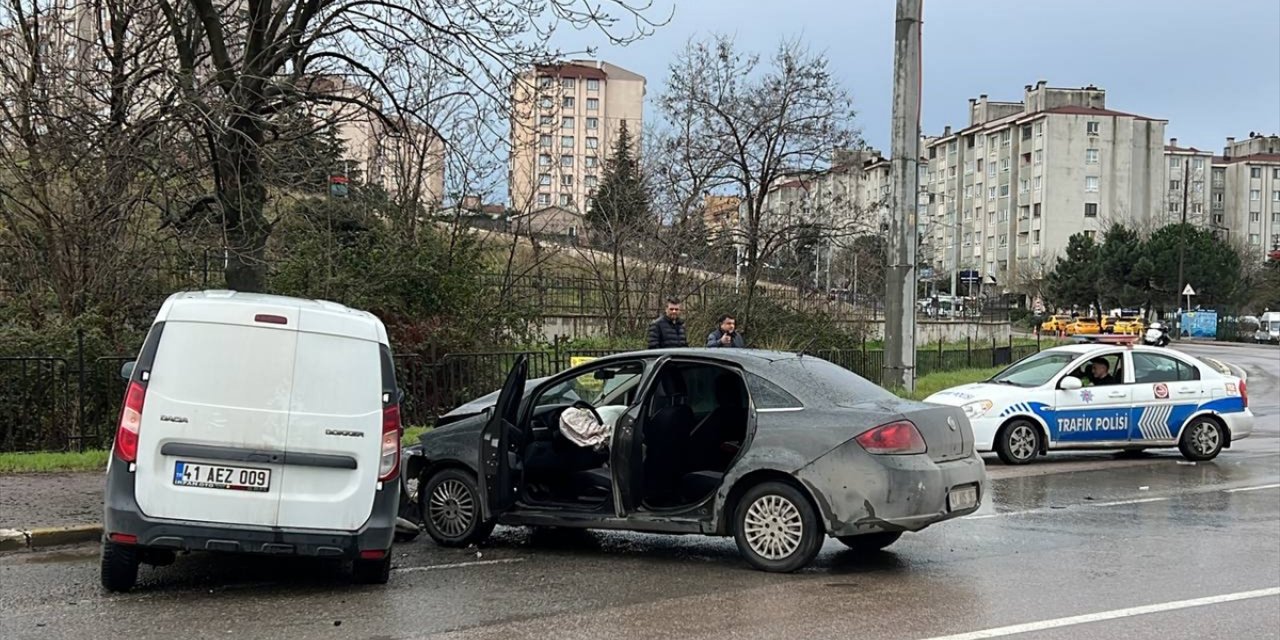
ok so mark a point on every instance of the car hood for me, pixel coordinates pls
(964, 394)
(484, 402)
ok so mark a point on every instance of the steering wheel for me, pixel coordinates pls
(583, 404)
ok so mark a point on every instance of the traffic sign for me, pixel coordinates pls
(1188, 291)
(1038, 305)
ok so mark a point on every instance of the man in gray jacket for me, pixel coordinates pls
(727, 335)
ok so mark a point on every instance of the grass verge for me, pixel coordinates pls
(935, 382)
(50, 461)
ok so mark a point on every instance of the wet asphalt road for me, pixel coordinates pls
(1075, 535)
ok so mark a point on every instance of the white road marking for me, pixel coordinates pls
(1260, 488)
(1120, 502)
(459, 565)
(1114, 614)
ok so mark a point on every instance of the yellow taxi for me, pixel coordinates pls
(1129, 326)
(1084, 326)
(1055, 324)
(1108, 324)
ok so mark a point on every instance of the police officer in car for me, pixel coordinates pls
(1099, 373)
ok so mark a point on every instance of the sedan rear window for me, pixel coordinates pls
(767, 395)
(814, 378)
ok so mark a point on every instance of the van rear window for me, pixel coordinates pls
(225, 365)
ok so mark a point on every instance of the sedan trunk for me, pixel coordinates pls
(946, 431)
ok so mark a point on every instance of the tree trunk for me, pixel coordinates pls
(243, 196)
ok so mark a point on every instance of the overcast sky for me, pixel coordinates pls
(1212, 69)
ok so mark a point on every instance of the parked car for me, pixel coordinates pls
(1055, 324)
(778, 450)
(1129, 326)
(1083, 326)
(1160, 398)
(1268, 327)
(257, 424)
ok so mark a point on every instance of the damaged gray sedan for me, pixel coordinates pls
(778, 450)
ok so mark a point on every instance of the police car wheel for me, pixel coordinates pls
(1018, 442)
(1202, 440)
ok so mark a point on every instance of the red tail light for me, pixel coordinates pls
(895, 438)
(123, 538)
(1244, 393)
(130, 422)
(373, 554)
(390, 462)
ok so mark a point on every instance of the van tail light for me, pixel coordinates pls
(390, 462)
(896, 438)
(123, 538)
(130, 422)
(1244, 393)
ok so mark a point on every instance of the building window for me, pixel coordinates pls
(1091, 210)
(591, 162)
(1024, 212)
(546, 102)
(1254, 239)
(1255, 195)
(951, 148)
(1219, 178)
(566, 161)
(1091, 234)
(1255, 217)
(951, 172)
(1004, 165)
(1038, 182)
(1275, 218)
(1039, 128)
(544, 199)
(591, 181)
(991, 193)
(1091, 184)
(568, 102)
(566, 122)
(566, 200)
(566, 142)
(546, 120)
(1035, 210)
(1004, 191)
(593, 84)
(968, 168)
(593, 104)
(544, 160)
(991, 169)
(1039, 157)
(1255, 172)
(1196, 207)
(566, 180)
(1175, 163)
(593, 143)
(968, 191)
(1217, 218)
(1175, 185)
(1006, 136)
(1035, 237)
(567, 83)
(1026, 132)
(1091, 156)
(544, 179)
(1092, 127)
(1275, 173)
(1275, 196)
(970, 141)
(1175, 207)
(1024, 185)
(544, 82)
(1197, 164)
(593, 124)
(1217, 199)
(544, 140)
(1004, 240)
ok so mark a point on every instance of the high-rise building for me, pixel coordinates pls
(1245, 191)
(1016, 183)
(1188, 180)
(564, 126)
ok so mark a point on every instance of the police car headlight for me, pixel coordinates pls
(977, 409)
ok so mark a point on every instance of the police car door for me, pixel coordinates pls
(1166, 391)
(1093, 415)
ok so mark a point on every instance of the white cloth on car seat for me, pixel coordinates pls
(580, 426)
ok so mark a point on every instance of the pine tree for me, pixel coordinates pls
(622, 199)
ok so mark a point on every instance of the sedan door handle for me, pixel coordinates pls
(1187, 392)
(1116, 394)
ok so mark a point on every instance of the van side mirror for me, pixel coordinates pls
(126, 370)
(1070, 383)
(399, 396)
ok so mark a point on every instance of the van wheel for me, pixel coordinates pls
(1018, 442)
(450, 503)
(869, 542)
(119, 566)
(776, 528)
(1201, 440)
(372, 571)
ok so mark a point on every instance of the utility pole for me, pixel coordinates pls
(900, 278)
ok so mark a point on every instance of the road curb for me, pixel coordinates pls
(17, 539)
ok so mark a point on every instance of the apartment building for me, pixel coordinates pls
(1022, 177)
(1245, 192)
(564, 125)
(1188, 179)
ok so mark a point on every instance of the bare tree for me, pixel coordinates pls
(748, 127)
(242, 65)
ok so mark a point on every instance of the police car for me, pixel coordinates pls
(1148, 398)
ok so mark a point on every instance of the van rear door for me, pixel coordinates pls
(335, 421)
(216, 413)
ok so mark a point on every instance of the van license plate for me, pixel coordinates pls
(216, 476)
(961, 498)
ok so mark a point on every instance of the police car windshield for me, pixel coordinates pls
(1034, 370)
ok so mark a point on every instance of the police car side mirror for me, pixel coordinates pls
(1070, 383)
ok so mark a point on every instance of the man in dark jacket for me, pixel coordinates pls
(667, 332)
(726, 335)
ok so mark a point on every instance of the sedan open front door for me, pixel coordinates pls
(501, 444)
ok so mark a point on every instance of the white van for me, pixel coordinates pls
(256, 424)
(1268, 327)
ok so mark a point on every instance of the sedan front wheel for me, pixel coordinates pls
(777, 528)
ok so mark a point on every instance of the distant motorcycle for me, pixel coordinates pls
(1157, 335)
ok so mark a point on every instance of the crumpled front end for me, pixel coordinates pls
(865, 493)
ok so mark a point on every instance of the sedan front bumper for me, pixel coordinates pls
(863, 493)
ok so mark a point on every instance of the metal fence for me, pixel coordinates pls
(52, 403)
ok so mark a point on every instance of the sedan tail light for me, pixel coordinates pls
(390, 462)
(1244, 393)
(896, 438)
